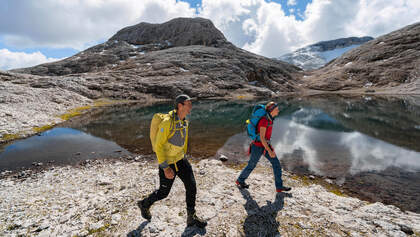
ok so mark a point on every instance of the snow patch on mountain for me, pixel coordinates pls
(317, 55)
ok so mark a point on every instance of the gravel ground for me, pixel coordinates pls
(99, 199)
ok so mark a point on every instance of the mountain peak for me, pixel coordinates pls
(176, 32)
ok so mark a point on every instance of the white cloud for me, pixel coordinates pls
(11, 60)
(276, 33)
(291, 2)
(267, 30)
(79, 23)
(236, 19)
(377, 17)
(256, 25)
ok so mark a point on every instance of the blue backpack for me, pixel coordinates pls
(257, 113)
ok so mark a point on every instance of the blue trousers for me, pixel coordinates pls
(256, 153)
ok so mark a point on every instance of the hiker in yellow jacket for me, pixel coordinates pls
(170, 146)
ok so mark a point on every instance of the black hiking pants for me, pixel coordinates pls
(186, 174)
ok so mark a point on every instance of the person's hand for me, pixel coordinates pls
(272, 154)
(169, 173)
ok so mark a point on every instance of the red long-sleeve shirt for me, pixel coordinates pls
(264, 122)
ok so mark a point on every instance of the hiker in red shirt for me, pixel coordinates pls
(262, 146)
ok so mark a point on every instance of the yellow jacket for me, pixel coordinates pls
(171, 140)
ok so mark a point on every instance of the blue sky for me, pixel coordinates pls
(34, 32)
(298, 8)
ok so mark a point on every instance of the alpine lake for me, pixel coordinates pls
(367, 145)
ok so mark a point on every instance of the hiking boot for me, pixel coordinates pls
(241, 184)
(193, 220)
(145, 210)
(284, 189)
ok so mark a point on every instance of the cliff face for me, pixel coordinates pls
(390, 63)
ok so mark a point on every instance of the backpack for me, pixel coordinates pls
(257, 113)
(154, 126)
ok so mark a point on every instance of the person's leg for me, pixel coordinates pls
(163, 191)
(277, 170)
(256, 153)
(275, 164)
(186, 174)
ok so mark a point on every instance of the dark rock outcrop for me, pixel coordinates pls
(176, 32)
(390, 63)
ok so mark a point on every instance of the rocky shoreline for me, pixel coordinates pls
(30, 104)
(99, 198)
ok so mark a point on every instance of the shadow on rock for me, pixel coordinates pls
(261, 221)
(137, 232)
(192, 231)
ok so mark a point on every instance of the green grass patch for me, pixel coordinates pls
(8, 136)
(74, 112)
(336, 191)
(306, 181)
(97, 103)
(43, 128)
(106, 102)
(93, 231)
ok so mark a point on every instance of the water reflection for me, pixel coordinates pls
(211, 124)
(371, 154)
(332, 153)
(372, 165)
(391, 119)
(58, 145)
(309, 137)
